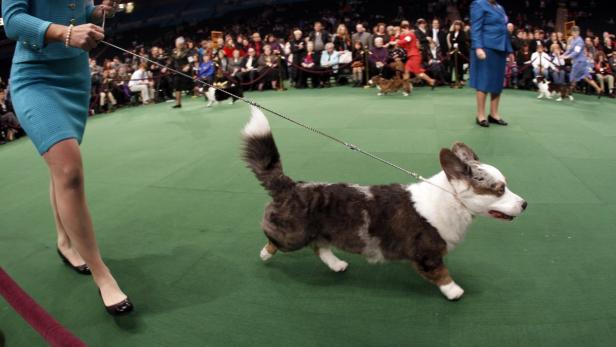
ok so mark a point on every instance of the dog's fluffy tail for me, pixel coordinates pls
(261, 154)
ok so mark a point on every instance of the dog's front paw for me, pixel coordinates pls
(452, 291)
(339, 266)
(265, 255)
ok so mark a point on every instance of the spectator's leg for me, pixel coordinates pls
(143, 89)
(610, 84)
(101, 100)
(113, 100)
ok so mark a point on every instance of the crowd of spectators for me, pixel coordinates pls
(338, 47)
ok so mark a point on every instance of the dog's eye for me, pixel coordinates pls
(499, 188)
(478, 179)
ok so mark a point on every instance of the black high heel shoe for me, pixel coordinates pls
(497, 121)
(123, 307)
(81, 269)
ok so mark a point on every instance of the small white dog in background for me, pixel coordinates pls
(544, 88)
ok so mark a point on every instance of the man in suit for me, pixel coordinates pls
(363, 36)
(438, 36)
(320, 37)
(249, 67)
(422, 34)
(516, 43)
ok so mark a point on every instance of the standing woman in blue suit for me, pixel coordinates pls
(50, 87)
(490, 46)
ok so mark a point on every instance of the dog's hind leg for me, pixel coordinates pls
(268, 251)
(328, 257)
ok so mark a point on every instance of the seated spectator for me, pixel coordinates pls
(234, 64)
(329, 62)
(342, 39)
(358, 64)
(297, 49)
(106, 99)
(229, 47)
(207, 69)
(308, 68)
(9, 124)
(249, 68)
(274, 44)
(525, 72)
(381, 32)
(363, 36)
(139, 83)
(457, 50)
(379, 57)
(221, 60)
(541, 62)
(434, 62)
(161, 76)
(256, 44)
(558, 71)
(604, 73)
(268, 65)
(608, 47)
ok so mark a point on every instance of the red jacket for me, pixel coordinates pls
(409, 42)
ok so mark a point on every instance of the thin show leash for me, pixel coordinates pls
(350, 146)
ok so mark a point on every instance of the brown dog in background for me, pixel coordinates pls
(398, 82)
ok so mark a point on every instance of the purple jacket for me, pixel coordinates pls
(379, 55)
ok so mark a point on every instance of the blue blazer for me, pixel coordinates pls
(489, 27)
(27, 21)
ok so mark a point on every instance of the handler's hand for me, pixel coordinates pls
(86, 36)
(481, 54)
(108, 7)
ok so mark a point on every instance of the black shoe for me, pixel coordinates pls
(177, 106)
(497, 121)
(484, 123)
(82, 269)
(123, 307)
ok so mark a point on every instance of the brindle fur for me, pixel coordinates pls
(320, 215)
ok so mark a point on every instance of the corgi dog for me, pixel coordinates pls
(419, 223)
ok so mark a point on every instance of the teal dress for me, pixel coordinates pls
(49, 83)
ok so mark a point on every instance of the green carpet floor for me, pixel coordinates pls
(177, 216)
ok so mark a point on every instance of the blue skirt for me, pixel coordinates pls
(488, 75)
(580, 70)
(51, 99)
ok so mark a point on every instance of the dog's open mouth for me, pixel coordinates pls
(500, 215)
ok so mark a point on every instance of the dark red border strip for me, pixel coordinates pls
(50, 329)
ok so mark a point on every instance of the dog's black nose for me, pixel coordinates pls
(524, 205)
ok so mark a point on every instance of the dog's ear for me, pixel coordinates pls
(464, 152)
(453, 166)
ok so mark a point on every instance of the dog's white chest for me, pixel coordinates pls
(442, 211)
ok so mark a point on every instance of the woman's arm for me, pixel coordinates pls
(22, 27)
(477, 25)
(477, 29)
(34, 32)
